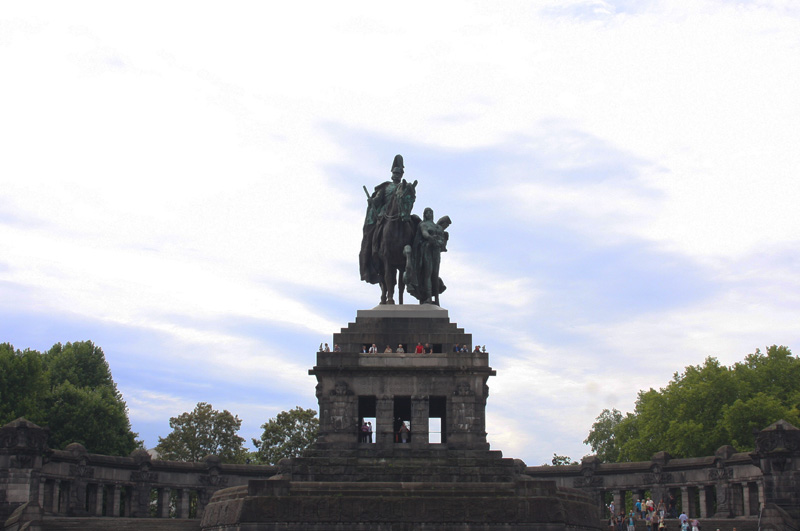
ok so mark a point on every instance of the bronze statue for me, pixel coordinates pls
(388, 228)
(423, 257)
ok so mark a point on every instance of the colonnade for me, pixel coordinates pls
(701, 501)
(70, 497)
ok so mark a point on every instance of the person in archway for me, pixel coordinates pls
(404, 431)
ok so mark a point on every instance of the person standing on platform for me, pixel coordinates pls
(404, 435)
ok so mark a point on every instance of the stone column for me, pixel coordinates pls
(41, 492)
(203, 497)
(163, 502)
(112, 500)
(47, 496)
(59, 497)
(77, 497)
(703, 503)
(98, 501)
(746, 499)
(184, 497)
(420, 408)
(619, 501)
(384, 418)
(737, 498)
(685, 505)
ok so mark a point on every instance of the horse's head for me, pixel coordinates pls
(406, 195)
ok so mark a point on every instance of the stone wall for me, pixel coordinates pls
(75, 483)
(728, 484)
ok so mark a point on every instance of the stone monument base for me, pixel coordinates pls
(282, 505)
(408, 478)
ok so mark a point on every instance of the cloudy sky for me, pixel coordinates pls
(180, 182)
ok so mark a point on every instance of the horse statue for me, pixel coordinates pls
(395, 230)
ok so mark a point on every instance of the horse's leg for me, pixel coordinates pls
(382, 284)
(401, 285)
(389, 280)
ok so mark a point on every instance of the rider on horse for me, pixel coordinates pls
(388, 227)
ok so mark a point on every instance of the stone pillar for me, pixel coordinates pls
(619, 501)
(163, 502)
(777, 454)
(203, 497)
(22, 445)
(384, 418)
(41, 492)
(112, 500)
(737, 498)
(184, 497)
(685, 504)
(746, 500)
(59, 501)
(77, 497)
(98, 501)
(420, 408)
(703, 503)
(47, 496)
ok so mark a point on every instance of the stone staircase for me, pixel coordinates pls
(742, 523)
(109, 524)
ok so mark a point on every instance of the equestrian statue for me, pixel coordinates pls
(397, 247)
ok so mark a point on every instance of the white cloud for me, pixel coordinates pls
(172, 173)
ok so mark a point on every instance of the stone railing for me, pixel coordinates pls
(73, 482)
(727, 484)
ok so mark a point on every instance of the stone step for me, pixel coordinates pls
(118, 524)
(428, 489)
(741, 523)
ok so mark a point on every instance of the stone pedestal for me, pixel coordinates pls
(455, 482)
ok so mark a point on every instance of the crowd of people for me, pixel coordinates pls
(654, 515)
(427, 348)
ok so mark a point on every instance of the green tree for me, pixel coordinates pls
(70, 390)
(202, 432)
(560, 460)
(93, 417)
(743, 416)
(23, 385)
(703, 408)
(81, 363)
(601, 437)
(287, 435)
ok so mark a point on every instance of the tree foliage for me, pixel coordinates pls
(602, 438)
(560, 460)
(68, 389)
(703, 408)
(201, 432)
(287, 435)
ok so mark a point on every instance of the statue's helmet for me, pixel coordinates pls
(397, 165)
